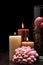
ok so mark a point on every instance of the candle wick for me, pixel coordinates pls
(14, 33)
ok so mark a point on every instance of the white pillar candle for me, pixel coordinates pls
(14, 42)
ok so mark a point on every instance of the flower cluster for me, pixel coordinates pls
(25, 54)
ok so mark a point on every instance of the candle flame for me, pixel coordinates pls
(22, 25)
(27, 39)
(14, 33)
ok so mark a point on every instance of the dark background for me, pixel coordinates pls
(12, 16)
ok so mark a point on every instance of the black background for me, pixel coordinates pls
(12, 16)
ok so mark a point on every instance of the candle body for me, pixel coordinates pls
(31, 44)
(14, 42)
(24, 33)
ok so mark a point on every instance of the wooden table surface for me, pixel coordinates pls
(4, 56)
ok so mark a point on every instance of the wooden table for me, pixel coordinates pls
(4, 56)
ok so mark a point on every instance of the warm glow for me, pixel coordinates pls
(14, 33)
(22, 25)
(27, 39)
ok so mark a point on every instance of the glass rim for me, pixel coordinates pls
(41, 6)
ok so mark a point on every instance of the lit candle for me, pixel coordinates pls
(14, 42)
(28, 43)
(23, 32)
